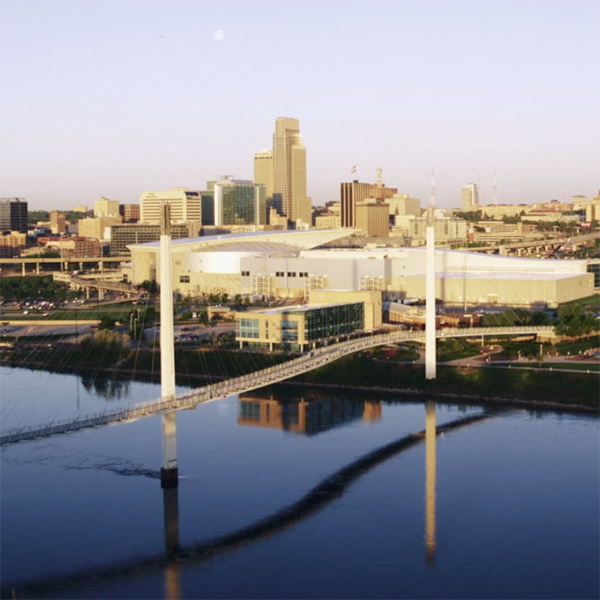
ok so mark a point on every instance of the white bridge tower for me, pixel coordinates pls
(168, 472)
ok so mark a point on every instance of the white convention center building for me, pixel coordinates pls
(289, 264)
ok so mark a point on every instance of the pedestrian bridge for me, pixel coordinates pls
(245, 383)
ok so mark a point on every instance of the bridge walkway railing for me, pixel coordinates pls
(244, 383)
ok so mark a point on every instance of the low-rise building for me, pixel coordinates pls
(373, 218)
(57, 221)
(97, 228)
(447, 230)
(328, 221)
(498, 211)
(130, 213)
(12, 243)
(592, 209)
(300, 327)
(105, 208)
(123, 235)
(75, 247)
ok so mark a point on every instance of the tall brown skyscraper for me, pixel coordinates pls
(263, 171)
(289, 171)
(350, 194)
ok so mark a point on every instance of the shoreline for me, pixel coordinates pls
(465, 397)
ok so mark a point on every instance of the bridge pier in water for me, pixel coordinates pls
(168, 473)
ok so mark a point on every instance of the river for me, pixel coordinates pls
(504, 506)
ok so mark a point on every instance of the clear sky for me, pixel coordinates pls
(116, 97)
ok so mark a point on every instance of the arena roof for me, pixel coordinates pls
(259, 247)
(301, 239)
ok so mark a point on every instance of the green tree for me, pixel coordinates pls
(574, 320)
(105, 347)
(540, 317)
(150, 286)
(106, 322)
(33, 216)
(472, 216)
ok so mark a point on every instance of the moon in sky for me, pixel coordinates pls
(219, 35)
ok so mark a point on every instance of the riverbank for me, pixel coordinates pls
(525, 388)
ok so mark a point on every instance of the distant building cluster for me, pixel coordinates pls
(271, 250)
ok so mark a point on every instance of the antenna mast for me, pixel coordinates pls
(495, 200)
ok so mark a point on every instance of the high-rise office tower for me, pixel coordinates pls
(13, 214)
(238, 202)
(186, 205)
(350, 194)
(469, 198)
(289, 171)
(263, 170)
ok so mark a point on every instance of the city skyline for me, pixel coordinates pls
(111, 99)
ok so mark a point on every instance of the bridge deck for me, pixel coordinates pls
(252, 381)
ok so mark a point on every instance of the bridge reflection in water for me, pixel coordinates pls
(309, 418)
(175, 557)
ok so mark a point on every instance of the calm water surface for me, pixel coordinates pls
(506, 507)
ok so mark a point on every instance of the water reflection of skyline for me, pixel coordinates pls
(304, 416)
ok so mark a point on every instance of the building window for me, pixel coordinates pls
(249, 328)
(245, 273)
(291, 274)
(184, 279)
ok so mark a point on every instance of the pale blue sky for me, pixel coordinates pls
(116, 97)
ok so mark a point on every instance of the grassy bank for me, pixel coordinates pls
(355, 371)
(551, 387)
(191, 364)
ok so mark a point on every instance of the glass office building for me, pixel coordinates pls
(299, 327)
(13, 214)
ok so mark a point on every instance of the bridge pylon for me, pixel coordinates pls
(169, 473)
(430, 332)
